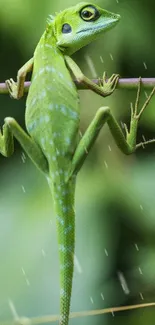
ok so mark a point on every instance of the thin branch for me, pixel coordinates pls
(129, 83)
(51, 319)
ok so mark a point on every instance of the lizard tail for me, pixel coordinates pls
(65, 222)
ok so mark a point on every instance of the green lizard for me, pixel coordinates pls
(52, 120)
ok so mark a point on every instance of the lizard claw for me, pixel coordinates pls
(12, 87)
(109, 85)
(134, 110)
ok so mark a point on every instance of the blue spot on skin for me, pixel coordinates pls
(65, 266)
(63, 248)
(68, 229)
(63, 293)
(32, 126)
(47, 118)
(33, 101)
(54, 158)
(66, 174)
(65, 192)
(64, 209)
(50, 88)
(73, 114)
(50, 69)
(42, 94)
(60, 75)
(51, 107)
(63, 318)
(41, 71)
(60, 220)
(63, 110)
(51, 142)
(57, 152)
(68, 141)
(42, 141)
(41, 119)
(55, 135)
(70, 84)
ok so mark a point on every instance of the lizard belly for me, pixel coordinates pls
(52, 115)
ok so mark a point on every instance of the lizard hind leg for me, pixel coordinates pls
(12, 128)
(126, 143)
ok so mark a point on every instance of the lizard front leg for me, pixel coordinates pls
(6, 141)
(127, 144)
(104, 89)
(12, 128)
(16, 89)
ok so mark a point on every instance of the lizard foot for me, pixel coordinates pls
(109, 85)
(135, 117)
(12, 87)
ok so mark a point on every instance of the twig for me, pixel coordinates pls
(51, 319)
(129, 83)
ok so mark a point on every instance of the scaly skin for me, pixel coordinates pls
(55, 129)
(52, 120)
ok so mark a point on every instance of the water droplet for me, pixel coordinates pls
(77, 264)
(111, 56)
(101, 59)
(27, 282)
(106, 165)
(106, 253)
(137, 248)
(145, 66)
(91, 299)
(102, 296)
(23, 157)
(91, 66)
(123, 282)
(23, 189)
(141, 295)
(43, 253)
(23, 271)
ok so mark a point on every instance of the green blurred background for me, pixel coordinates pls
(115, 201)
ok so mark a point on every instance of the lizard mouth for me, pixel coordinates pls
(106, 25)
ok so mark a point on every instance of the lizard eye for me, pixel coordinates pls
(66, 28)
(89, 13)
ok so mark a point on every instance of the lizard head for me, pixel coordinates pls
(80, 25)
